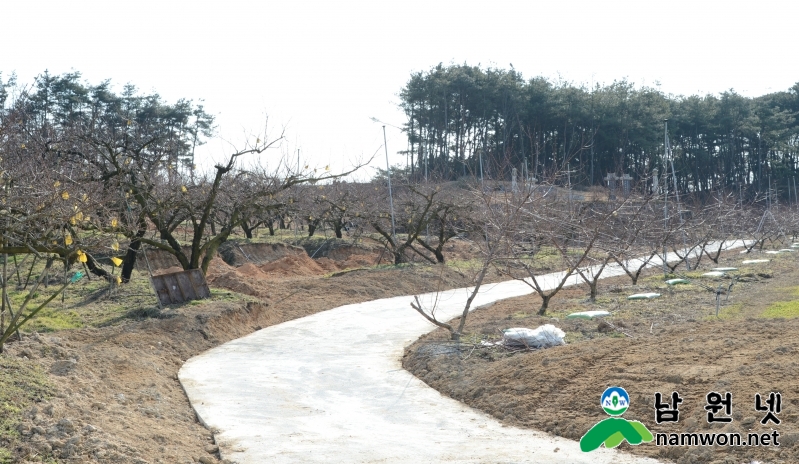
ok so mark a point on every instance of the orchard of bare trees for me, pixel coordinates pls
(90, 177)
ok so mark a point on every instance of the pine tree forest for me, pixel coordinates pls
(466, 120)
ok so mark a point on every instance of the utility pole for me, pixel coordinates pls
(569, 184)
(593, 132)
(768, 197)
(665, 191)
(446, 139)
(592, 160)
(676, 193)
(759, 160)
(390, 194)
(425, 164)
(740, 195)
(481, 167)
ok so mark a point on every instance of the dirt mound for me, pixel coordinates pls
(348, 257)
(287, 266)
(328, 265)
(239, 254)
(218, 267)
(249, 270)
(243, 266)
(235, 281)
(251, 267)
(169, 270)
(255, 280)
(343, 250)
(292, 265)
(344, 253)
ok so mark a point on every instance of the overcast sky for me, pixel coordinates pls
(322, 69)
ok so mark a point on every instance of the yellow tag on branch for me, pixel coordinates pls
(82, 256)
(57, 184)
(114, 222)
(183, 189)
(117, 262)
(68, 239)
(65, 195)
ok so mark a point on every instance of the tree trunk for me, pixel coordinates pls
(247, 229)
(544, 304)
(133, 250)
(592, 286)
(399, 255)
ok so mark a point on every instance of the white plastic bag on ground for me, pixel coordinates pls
(542, 337)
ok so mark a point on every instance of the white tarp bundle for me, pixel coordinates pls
(545, 336)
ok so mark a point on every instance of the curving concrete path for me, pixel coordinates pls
(330, 388)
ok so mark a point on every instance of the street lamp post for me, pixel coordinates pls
(390, 194)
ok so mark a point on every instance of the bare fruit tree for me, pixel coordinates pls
(573, 231)
(493, 216)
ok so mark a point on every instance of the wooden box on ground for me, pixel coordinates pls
(179, 287)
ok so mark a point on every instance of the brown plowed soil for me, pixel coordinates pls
(673, 343)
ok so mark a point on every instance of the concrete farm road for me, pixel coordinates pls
(330, 388)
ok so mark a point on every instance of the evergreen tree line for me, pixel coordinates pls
(463, 120)
(50, 112)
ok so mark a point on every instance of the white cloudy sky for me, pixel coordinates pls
(321, 69)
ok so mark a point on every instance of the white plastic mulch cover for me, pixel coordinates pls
(643, 296)
(713, 274)
(545, 336)
(587, 314)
